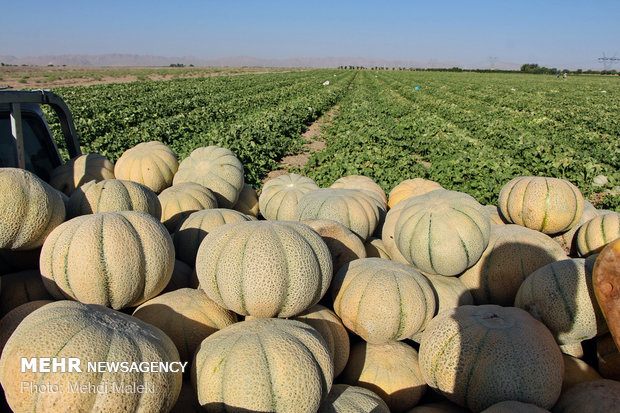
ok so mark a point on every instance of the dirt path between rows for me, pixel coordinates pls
(314, 143)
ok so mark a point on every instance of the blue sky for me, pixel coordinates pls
(563, 34)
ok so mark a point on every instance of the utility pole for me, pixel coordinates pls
(608, 62)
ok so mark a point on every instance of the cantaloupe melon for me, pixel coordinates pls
(352, 399)
(330, 327)
(590, 397)
(442, 232)
(187, 316)
(548, 205)
(577, 371)
(30, 208)
(216, 168)
(248, 202)
(352, 208)
(596, 233)
(560, 295)
(514, 407)
(263, 365)
(388, 230)
(606, 286)
(513, 253)
(116, 259)
(21, 287)
(90, 333)
(80, 170)
(279, 196)
(180, 200)
(494, 215)
(344, 246)
(409, 188)
(608, 357)
(112, 195)
(264, 268)
(183, 276)
(13, 318)
(375, 247)
(382, 300)
(361, 182)
(568, 240)
(192, 230)
(477, 356)
(152, 164)
(390, 370)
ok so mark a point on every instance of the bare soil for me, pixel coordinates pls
(45, 77)
(314, 143)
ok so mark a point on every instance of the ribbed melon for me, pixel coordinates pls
(513, 253)
(183, 276)
(21, 287)
(80, 170)
(352, 208)
(352, 399)
(494, 215)
(112, 195)
(280, 196)
(560, 295)
(382, 300)
(409, 188)
(263, 365)
(196, 226)
(361, 182)
(248, 201)
(375, 247)
(596, 233)
(152, 164)
(344, 246)
(577, 371)
(548, 205)
(388, 230)
(608, 357)
(187, 316)
(330, 327)
(216, 168)
(514, 407)
(477, 356)
(594, 396)
(29, 207)
(442, 232)
(390, 370)
(568, 239)
(116, 259)
(13, 318)
(264, 268)
(180, 200)
(90, 333)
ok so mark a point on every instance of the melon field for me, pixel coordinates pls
(320, 241)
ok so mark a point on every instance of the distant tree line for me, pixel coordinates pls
(525, 68)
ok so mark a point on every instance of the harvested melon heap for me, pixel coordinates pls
(296, 298)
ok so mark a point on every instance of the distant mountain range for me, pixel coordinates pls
(311, 62)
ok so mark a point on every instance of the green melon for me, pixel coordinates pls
(116, 259)
(152, 164)
(112, 195)
(264, 268)
(263, 365)
(477, 356)
(382, 300)
(90, 333)
(549, 205)
(442, 232)
(280, 196)
(30, 208)
(513, 253)
(216, 168)
(560, 295)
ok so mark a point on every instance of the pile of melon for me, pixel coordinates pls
(301, 298)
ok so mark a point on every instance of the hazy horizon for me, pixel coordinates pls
(482, 34)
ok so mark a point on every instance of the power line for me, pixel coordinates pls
(608, 62)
